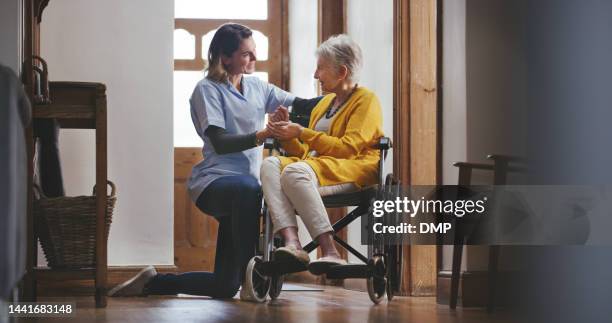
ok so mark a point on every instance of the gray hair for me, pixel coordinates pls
(342, 50)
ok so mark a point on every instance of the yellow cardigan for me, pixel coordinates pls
(345, 153)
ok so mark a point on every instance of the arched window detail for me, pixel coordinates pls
(184, 44)
(261, 45)
(206, 39)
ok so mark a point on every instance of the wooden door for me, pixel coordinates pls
(195, 233)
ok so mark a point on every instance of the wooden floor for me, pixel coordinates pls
(333, 304)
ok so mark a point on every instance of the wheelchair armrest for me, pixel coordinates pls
(384, 143)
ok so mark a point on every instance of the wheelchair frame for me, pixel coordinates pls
(381, 268)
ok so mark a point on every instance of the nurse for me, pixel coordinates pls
(228, 111)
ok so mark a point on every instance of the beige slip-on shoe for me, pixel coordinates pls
(291, 253)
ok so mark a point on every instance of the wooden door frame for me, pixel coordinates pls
(331, 20)
(417, 125)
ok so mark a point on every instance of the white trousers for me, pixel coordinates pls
(297, 188)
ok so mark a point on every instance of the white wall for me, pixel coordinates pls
(128, 46)
(370, 24)
(10, 34)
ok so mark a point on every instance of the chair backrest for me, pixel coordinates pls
(302, 119)
(300, 112)
(502, 165)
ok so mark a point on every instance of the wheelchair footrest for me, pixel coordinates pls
(279, 267)
(349, 271)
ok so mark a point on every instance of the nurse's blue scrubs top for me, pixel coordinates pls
(222, 105)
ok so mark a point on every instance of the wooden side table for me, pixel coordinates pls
(76, 105)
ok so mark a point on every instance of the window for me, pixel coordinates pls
(196, 21)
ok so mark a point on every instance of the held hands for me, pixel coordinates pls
(281, 114)
(280, 127)
(284, 130)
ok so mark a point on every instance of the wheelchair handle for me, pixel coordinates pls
(384, 143)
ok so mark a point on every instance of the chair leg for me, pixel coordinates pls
(493, 268)
(100, 297)
(456, 274)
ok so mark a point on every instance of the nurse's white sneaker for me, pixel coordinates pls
(135, 285)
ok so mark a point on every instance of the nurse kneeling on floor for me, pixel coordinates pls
(228, 111)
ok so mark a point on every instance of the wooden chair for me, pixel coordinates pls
(500, 168)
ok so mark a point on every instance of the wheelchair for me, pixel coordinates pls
(264, 275)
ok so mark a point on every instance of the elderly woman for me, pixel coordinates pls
(333, 155)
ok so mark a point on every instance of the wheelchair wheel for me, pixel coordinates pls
(256, 285)
(392, 270)
(276, 286)
(389, 290)
(376, 289)
(377, 283)
(391, 278)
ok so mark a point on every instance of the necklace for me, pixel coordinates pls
(330, 114)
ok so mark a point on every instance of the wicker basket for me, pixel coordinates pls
(66, 227)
